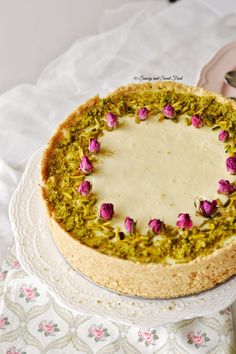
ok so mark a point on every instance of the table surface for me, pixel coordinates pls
(32, 33)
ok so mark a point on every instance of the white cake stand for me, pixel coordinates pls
(40, 258)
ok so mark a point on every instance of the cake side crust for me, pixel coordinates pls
(151, 280)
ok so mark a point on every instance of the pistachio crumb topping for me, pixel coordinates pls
(79, 214)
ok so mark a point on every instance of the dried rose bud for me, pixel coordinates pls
(129, 225)
(112, 120)
(106, 211)
(143, 113)
(155, 225)
(197, 121)
(184, 221)
(169, 111)
(207, 208)
(94, 145)
(231, 164)
(223, 136)
(225, 187)
(86, 165)
(84, 188)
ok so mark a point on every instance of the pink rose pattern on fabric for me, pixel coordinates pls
(3, 274)
(148, 336)
(13, 350)
(48, 328)
(29, 293)
(98, 332)
(16, 264)
(198, 339)
(3, 322)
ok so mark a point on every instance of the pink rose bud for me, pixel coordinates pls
(207, 208)
(169, 111)
(112, 120)
(129, 225)
(155, 225)
(143, 113)
(223, 136)
(106, 211)
(184, 221)
(197, 121)
(86, 165)
(225, 187)
(231, 164)
(84, 188)
(94, 145)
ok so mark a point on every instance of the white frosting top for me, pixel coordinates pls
(158, 170)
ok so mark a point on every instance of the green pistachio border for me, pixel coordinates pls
(79, 215)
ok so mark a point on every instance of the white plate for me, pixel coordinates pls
(40, 258)
(212, 74)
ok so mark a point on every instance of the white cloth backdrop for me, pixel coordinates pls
(146, 38)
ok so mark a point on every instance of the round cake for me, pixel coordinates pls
(140, 189)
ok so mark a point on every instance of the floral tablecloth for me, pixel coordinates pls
(33, 322)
